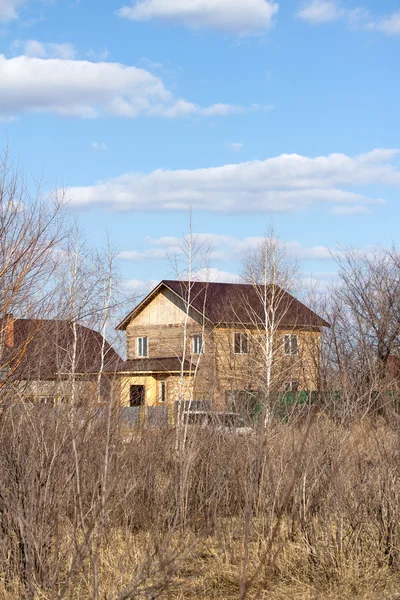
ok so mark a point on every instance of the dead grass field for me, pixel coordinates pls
(309, 511)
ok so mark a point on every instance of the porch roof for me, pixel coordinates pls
(172, 364)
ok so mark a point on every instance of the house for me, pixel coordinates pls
(39, 358)
(208, 342)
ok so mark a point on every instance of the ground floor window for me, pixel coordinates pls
(136, 395)
(49, 400)
(163, 391)
(292, 386)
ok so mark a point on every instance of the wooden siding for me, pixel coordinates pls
(162, 322)
(163, 340)
(152, 391)
(219, 370)
(247, 371)
(150, 384)
(165, 309)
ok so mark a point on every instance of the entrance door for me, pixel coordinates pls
(136, 396)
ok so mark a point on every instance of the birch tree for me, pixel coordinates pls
(271, 270)
(191, 261)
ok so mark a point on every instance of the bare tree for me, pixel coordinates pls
(192, 259)
(271, 270)
(31, 228)
(365, 315)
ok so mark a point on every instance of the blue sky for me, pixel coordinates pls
(251, 111)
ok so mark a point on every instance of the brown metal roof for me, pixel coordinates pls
(237, 303)
(43, 349)
(155, 365)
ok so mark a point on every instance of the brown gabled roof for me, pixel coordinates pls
(43, 349)
(236, 303)
(171, 364)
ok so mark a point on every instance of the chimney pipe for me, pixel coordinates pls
(8, 330)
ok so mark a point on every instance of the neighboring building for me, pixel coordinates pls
(222, 327)
(201, 342)
(39, 358)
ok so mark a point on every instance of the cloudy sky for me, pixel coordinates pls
(250, 112)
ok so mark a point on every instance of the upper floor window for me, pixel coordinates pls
(142, 347)
(291, 345)
(197, 344)
(241, 343)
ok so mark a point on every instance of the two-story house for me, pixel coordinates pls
(216, 342)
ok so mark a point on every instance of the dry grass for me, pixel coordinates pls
(314, 507)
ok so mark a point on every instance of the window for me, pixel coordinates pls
(50, 400)
(142, 347)
(241, 343)
(136, 395)
(291, 386)
(163, 391)
(197, 344)
(291, 346)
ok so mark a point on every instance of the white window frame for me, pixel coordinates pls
(290, 337)
(197, 348)
(139, 347)
(242, 335)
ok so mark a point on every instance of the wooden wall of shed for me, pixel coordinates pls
(60, 390)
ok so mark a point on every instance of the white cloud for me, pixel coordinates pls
(9, 9)
(98, 55)
(28, 48)
(321, 11)
(357, 209)
(150, 254)
(99, 146)
(286, 183)
(233, 249)
(90, 89)
(139, 287)
(65, 51)
(317, 12)
(317, 282)
(229, 15)
(150, 64)
(222, 248)
(390, 25)
(213, 275)
(236, 146)
(36, 49)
